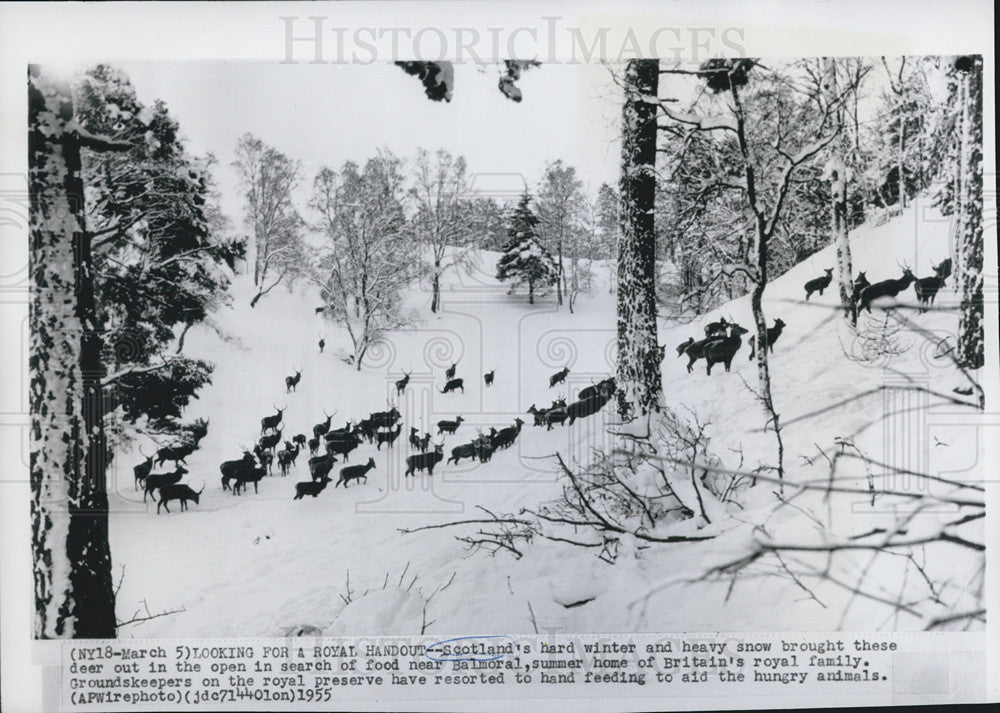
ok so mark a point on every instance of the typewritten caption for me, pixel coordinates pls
(300, 671)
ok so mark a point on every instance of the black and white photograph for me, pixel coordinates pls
(479, 348)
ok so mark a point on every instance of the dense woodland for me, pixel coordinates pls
(732, 172)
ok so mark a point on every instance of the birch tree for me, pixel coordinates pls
(443, 222)
(837, 173)
(365, 262)
(269, 178)
(560, 195)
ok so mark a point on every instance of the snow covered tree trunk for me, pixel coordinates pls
(970, 238)
(436, 288)
(838, 196)
(74, 596)
(640, 385)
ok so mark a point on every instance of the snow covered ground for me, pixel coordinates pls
(261, 564)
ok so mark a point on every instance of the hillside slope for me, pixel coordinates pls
(262, 564)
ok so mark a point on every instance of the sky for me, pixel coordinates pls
(326, 115)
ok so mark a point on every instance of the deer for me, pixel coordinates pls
(270, 423)
(928, 287)
(449, 373)
(818, 284)
(506, 436)
(231, 468)
(341, 448)
(449, 427)
(154, 481)
(401, 384)
(355, 472)
(452, 385)
(389, 437)
(682, 347)
(723, 350)
(696, 350)
(177, 454)
(177, 491)
(558, 377)
(251, 475)
(385, 419)
(293, 381)
(424, 461)
(488, 378)
(323, 427)
(414, 438)
(772, 336)
(142, 471)
(320, 466)
(322, 343)
(885, 288)
(313, 446)
(717, 328)
(310, 487)
(589, 406)
(286, 457)
(270, 442)
(467, 450)
(601, 388)
(265, 456)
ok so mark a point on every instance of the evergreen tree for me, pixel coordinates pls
(524, 259)
(161, 264)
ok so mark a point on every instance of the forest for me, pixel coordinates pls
(809, 231)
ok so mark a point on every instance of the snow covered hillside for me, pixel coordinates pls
(263, 563)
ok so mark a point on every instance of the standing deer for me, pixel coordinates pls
(885, 288)
(292, 381)
(820, 283)
(271, 422)
(401, 384)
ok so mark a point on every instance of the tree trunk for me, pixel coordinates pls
(436, 288)
(640, 385)
(899, 156)
(971, 336)
(838, 197)
(74, 596)
(531, 292)
(560, 278)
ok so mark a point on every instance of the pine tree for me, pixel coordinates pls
(970, 220)
(524, 258)
(162, 257)
(640, 386)
(74, 597)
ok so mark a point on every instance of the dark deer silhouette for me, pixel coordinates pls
(819, 284)
(452, 385)
(271, 422)
(558, 377)
(177, 491)
(723, 350)
(772, 336)
(292, 381)
(885, 288)
(401, 384)
(449, 373)
(323, 427)
(355, 472)
(488, 378)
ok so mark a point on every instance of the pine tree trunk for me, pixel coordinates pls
(74, 596)
(640, 386)
(838, 197)
(971, 337)
(436, 289)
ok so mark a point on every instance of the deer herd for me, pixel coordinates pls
(723, 339)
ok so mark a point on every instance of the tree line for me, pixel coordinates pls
(355, 242)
